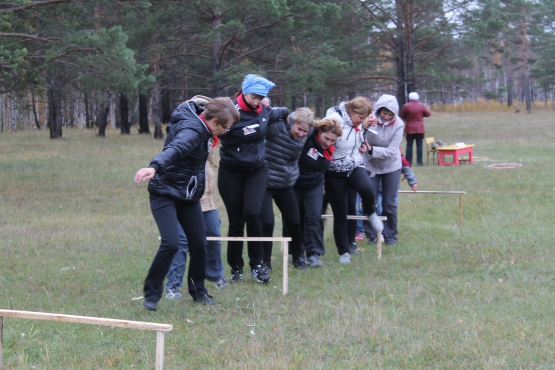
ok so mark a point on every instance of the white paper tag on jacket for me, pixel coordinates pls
(314, 153)
(251, 129)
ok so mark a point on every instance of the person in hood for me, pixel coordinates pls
(177, 182)
(382, 161)
(346, 171)
(242, 177)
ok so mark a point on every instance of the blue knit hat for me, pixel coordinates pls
(253, 84)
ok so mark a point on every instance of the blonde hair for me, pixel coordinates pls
(360, 105)
(303, 115)
(329, 124)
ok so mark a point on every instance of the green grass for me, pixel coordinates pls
(478, 296)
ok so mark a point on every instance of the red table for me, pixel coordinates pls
(454, 151)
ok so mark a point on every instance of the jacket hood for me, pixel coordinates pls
(187, 111)
(389, 102)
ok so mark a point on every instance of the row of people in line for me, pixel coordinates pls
(267, 153)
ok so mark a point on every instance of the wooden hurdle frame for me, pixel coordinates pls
(379, 241)
(284, 248)
(159, 328)
(459, 193)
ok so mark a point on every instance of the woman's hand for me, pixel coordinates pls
(414, 187)
(367, 147)
(371, 121)
(144, 174)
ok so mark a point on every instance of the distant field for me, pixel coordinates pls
(77, 237)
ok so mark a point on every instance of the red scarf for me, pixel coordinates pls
(404, 162)
(246, 106)
(328, 153)
(215, 139)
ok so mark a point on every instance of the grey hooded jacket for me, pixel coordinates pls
(385, 156)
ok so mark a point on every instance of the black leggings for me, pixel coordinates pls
(310, 205)
(337, 191)
(242, 193)
(169, 214)
(287, 203)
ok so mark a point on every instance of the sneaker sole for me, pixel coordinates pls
(262, 281)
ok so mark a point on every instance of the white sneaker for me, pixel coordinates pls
(173, 293)
(376, 222)
(345, 258)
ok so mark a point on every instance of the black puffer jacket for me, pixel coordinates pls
(312, 163)
(242, 147)
(282, 155)
(180, 167)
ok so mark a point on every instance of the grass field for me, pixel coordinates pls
(77, 237)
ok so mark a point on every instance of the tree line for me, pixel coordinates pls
(136, 60)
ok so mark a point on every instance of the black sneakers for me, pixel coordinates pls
(149, 305)
(260, 274)
(205, 299)
(236, 276)
(353, 249)
(300, 264)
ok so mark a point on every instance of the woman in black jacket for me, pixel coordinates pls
(284, 141)
(315, 159)
(242, 176)
(177, 181)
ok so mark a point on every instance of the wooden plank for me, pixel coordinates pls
(353, 217)
(159, 350)
(85, 320)
(431, 192)
(285, 247)
(249, 238)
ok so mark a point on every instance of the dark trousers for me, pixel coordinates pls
(310, 207)
(337, 191)
(242, 194)
(408, 153)
(287, 203)
(351, 210)
(390, 184)
(169, 214)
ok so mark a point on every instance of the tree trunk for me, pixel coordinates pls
(319, 105)
(103, 110)
(166, 106)
(37, 123)
(54, 104)
(399, 63)
(526, 85)
(218, 83)
(155, 106)
(293, 102)
(143, 114)
(124, 114)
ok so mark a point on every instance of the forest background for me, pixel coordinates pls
(81, 63)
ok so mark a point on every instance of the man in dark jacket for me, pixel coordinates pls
(413, 114)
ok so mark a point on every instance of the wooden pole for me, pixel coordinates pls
(159, 350)
(460, 210)
(1, 339)
(285, 247)
(352, 217)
